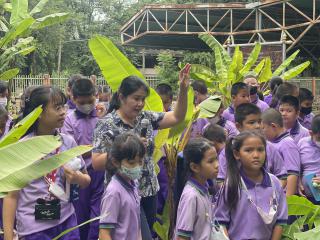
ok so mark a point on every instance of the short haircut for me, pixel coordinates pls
(165, 89)
(83, 87)
(73, 79)
(275, 81)
(199, 86)
(3, 87)
(237, 87)
(315, 125)
(272, 115)
(245, 109)
(215, 133)
(305, 95)
(291, 101)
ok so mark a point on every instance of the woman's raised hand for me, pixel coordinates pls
(184, 77)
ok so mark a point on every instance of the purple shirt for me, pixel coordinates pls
(71, 106)
(26, 223)
(261, 104)
(244, 222)
(228, 114)
(194, 212)
(81, 126)
(298, 132)
(289, 151)
(198, 126)
(121, 202)
(306, 121)
(268, 99)
(230, 127)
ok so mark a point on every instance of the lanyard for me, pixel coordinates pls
(51, 177)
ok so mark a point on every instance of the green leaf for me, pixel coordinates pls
(21, 128)
(27, 50)
(221, 68)
(21, 178)
(300, 206)
(254, 55)
(19, 11)
(285, 64)
(50, 20)
(153, 102)
(39, 7)
(3, 26)
(293, 72)
(266, 72)
(257, 70)
(9, 74)
(159, 140)
(308, 235)
(209, 107)
(232, 71)
(7, 7)
(20, 155)
(163, 230)
(295, 227)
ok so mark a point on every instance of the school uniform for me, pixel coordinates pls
(244, 222)
(198, 126)
(81, 126)
(71, 106)
(268, 99)
(121, 203)
(228, 114)
(298, 132)
(194, 212)
(27, 227)
(306, 121)
(229, 126)
(163, 180)
(261, 104)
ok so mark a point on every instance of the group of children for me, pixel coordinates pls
(238, 166)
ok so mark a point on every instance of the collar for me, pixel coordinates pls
(231, 109)
(280, 137)
(128, 185)
(257, 99)
(296, 128)
(81, 115)
(202, 189)
(266, 181)
(70, 104)
(222, 122)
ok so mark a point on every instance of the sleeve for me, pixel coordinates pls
(222, 172)
(186, 215)
(282, 211)
(222, 211)
(278, 166)
(155, 118)
(291, 157)
(101, 141)
(73, 144)
(67, 126)
(110, 206)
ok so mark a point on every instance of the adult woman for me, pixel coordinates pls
(126, 114)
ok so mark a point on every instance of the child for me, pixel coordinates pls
(200, 91)
(80, 124)
(252, 204)
(166, 94)
(289, 109)
(26, 204)
(71, 81)
(284, 89)
(4, 122)
(253, 84)
(306, 100)
(309, 149)
(273, 129)
(4, 94)
(248, 118)
(121, 201)
(239, 94)
(195, 205)
(274, 83)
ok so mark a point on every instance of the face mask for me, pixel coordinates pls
(3, 102)
(253, 90)
(306, 111)
(132, 173)
(267, 217)
(86, 108)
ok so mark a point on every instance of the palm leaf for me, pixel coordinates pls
(39, 7)
(293, 72)
(9, 74)
(19, 11)
(285, 64)
(253, 57)
(50, 20)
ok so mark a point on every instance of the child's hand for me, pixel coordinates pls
(72, 177)
(101, 110)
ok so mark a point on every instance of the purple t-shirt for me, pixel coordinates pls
(228, 114)
(81, 126)
(298, 132)
(194, 212)
(268, 99)
(121, 202)
(26, 223)
(244, 222)
(198, 126)
(261, 104)
(230, 127)
(306, 121)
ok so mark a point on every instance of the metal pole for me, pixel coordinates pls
(59, 57)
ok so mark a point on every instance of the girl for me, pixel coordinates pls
(195, 205)
(121, 201)
(252, 204)
(30, 202)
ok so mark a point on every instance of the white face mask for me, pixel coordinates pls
(3, 102)
(267, 217)
(86, 108)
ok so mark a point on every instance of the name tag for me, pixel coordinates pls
(47, 211)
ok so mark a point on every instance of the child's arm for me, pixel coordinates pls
(8, 214)
(277, 232)
(105, 234)
(292, 184)
(76, 177)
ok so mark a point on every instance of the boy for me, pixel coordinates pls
(239, 95)
(289, 109)
(306, 100)
(200, 91)
(71, 81)
(80, 124)
(165, 92)
(274, 130)
(274, 83)
(252, 82)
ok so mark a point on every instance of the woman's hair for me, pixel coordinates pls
(274, 83)
(125, 146)
(233, 171)
(128, 86)
(42, 96)
(283, 89)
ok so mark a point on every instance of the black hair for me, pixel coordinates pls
(3, 112)
(165, 89)
(83, 87)
(245, 109)
(3, 87)
(128, 86)
(43, 95)
(290, 100)
(125, 146)
(274, 83)
(315, 125)
(272, 115)
(215, 133)
(73, 79)
(237, 87)
(233, 171)
(104, 89)
(284, 89)
(305, 95)
(199, 86)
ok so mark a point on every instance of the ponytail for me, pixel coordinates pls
(114, 103)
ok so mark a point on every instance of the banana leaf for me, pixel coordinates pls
(300, 206)
(257, 70)
(26, 51)
(221, 68)
(293, 72)
(20, 155)
(153, 102)
(266, 72)
(21, 128)
(21, 178)
(3, 25)
(293, 228)
(253, 57)
(285, 64)
(7, 7)
(311, 234)
(232, 71)
(39, 7)
(9, 74)
(19, 11)
(162, 230)
(49, 20)
(159, 140)
(203, 70)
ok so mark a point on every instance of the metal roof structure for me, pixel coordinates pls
(293, 23)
